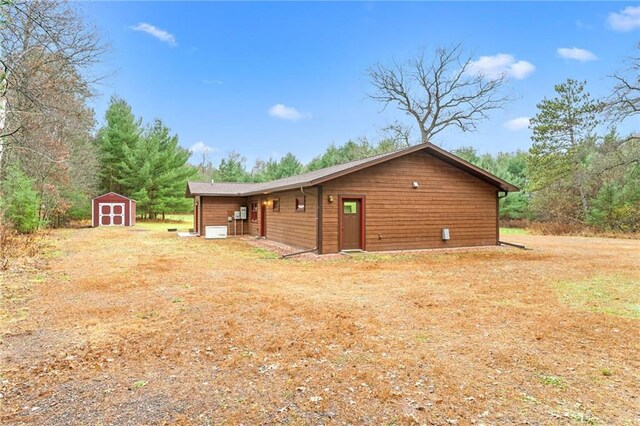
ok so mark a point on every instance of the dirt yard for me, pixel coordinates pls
(136, 326)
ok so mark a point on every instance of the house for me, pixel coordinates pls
(113, 209)
(419, 197)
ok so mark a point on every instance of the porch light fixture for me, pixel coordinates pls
(330, 198)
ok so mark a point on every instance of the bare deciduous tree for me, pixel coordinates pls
(47, 52)
(440, 92)
(625, 100)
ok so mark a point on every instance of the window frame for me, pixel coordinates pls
(275, 205)
(304, 204)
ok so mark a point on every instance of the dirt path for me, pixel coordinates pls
(129, 326)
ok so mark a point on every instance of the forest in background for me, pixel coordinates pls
(579, 170)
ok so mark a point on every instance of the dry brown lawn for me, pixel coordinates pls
(135, 326)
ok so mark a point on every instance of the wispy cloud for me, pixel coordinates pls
(156, 32)
(628, 19)
(212, 82)
(583, 25)
(284, 112)
(516, 124)
(577, 54)
(499, 65)
(201, 147)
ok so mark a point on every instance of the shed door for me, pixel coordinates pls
(111, 214)
(351, 224)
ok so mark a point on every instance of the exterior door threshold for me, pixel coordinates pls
(352, 251)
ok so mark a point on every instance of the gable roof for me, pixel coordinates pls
(322, 175)
(113, 193)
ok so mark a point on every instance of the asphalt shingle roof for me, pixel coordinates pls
(318, 176)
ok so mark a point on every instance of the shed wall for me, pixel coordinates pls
(129, 208)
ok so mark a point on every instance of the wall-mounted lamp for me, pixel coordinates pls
(414, 185)
(330, 198)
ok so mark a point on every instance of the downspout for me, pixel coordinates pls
(284, 256)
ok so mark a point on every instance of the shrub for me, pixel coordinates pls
(19, 201)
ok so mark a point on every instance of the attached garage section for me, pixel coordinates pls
(113, 209)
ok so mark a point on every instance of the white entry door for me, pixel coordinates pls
(111, 214)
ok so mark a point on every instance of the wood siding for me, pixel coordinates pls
(129, 208)
(215, 211)
(398, 217)
(297, 229)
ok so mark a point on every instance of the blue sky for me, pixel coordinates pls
(268, 78)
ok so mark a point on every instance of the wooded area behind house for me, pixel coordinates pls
(53, 158)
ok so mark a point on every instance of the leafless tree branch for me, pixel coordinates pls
(440, 92)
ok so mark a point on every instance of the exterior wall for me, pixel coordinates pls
(287, 226)
(215, 211)
(129, 212)
(398, 217)
(132, 213)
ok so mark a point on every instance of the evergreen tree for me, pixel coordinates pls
(19, 200)
(117, 141)
(563, 138)
(156, 172)
(232, 169)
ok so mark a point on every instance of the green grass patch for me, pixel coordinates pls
(614, 295)
(554, 381)
(183, 222)
(265, 254)
(513, 231)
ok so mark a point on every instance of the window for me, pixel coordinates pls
(276, 204)
(350, 207)
(300, 202)
(253, 214)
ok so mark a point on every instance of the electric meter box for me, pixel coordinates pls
(243, 213)
(236, 215)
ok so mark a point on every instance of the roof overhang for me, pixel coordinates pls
(264, 189)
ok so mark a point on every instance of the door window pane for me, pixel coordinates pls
(350, 207)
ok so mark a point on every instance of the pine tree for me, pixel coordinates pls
(563, 138)
(156, 172)
(117, 141)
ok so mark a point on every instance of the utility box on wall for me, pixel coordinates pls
(445, 234)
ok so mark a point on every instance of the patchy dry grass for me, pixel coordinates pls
(614, 294)
(140, 327)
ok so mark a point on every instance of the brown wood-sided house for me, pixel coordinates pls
(408, 199)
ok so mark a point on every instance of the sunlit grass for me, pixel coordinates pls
(613, 294)
(513, 231)
(183, 222)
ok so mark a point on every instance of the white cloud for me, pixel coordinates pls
(583, 25)
(284, 112)
(516, 124)
(201, 147)
(628, 19)
(212, 82)
(581, 55)
(156, 32)
(499, 65)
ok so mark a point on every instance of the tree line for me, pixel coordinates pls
(579, 169)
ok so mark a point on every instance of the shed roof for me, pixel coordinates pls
(113, 193)
(322, 175)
